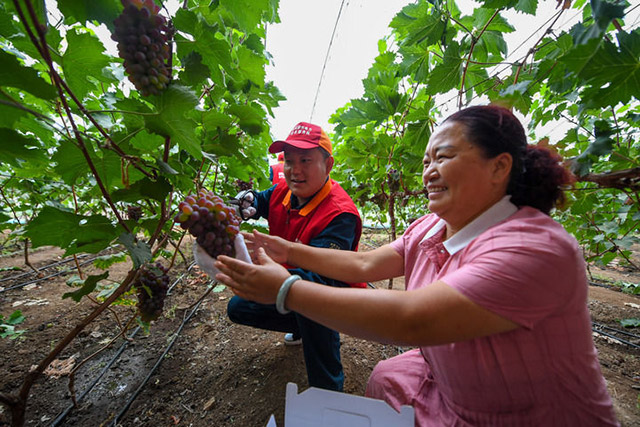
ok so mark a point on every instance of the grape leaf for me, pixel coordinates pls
(606, 11)
(422, 24)
(215, 52)
(4, 218)
(133, 111)
(630, 323)
(516, 96)
(88, 286)
(446, 76)
(16, 149)
(143, 189)
(105, 261)
(247, 13)
(9, 114)
(84, 58)
(14, 74)
(615, 70)
(251, 65)
(8, 27)
(71, 164)
(74, 233)
(104, 11)
(147, 142)
(171, 120)
(212, 120)
(528, 6)
(497, 23)
(139, 251)
(194, 72)
(185, 20)
(250, 117)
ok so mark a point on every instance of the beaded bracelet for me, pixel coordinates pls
(282, 293)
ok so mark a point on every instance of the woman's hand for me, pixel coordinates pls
(275, 247)
(258, 282)
(207, 263)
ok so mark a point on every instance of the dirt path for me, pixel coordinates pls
(216, 373)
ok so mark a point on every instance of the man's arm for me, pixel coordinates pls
(339, 234)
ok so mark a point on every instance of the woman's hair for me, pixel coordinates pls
(537, 174)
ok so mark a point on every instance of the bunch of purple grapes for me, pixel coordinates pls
(142, 37)
(244, 185)
(393, 177)
(134, 212)
(213, 223)
(152, 286)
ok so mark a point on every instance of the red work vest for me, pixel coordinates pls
(277, 173)
(302, 225)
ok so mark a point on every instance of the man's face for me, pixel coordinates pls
(306, 171)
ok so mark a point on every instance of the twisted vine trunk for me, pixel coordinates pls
(623, 179)
(392, 219)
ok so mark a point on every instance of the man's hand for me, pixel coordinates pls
(243, 204)
(276, 247)
(207, 263)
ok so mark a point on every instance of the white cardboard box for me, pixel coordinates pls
(316, 407)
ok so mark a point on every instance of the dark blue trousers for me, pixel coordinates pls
(320, 344)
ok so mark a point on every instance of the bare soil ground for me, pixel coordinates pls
(208, 371)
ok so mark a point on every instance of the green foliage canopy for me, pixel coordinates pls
(584, 80)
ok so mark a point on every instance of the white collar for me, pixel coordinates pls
(500, 211)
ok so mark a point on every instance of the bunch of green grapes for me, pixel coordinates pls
(152, 286)
(143, 43)
(213, 223)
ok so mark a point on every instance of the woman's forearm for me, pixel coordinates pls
(347, 266)
(366, 314)
(420, 317)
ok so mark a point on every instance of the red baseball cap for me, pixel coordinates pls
(306, 136)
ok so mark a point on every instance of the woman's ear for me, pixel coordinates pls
(502, 165)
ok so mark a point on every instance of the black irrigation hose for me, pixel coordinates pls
(629, 334)
(601, 285)
(46, 267)
(64, 414)
(155, 366)
(597, 330)
(59, 273)
(115, 357)
(616, 338)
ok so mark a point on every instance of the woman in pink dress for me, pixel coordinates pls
(496, 290)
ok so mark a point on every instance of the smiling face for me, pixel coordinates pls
(306, 171)
(462, 183)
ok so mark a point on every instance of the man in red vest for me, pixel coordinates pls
(276, 171)
(308, 207)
